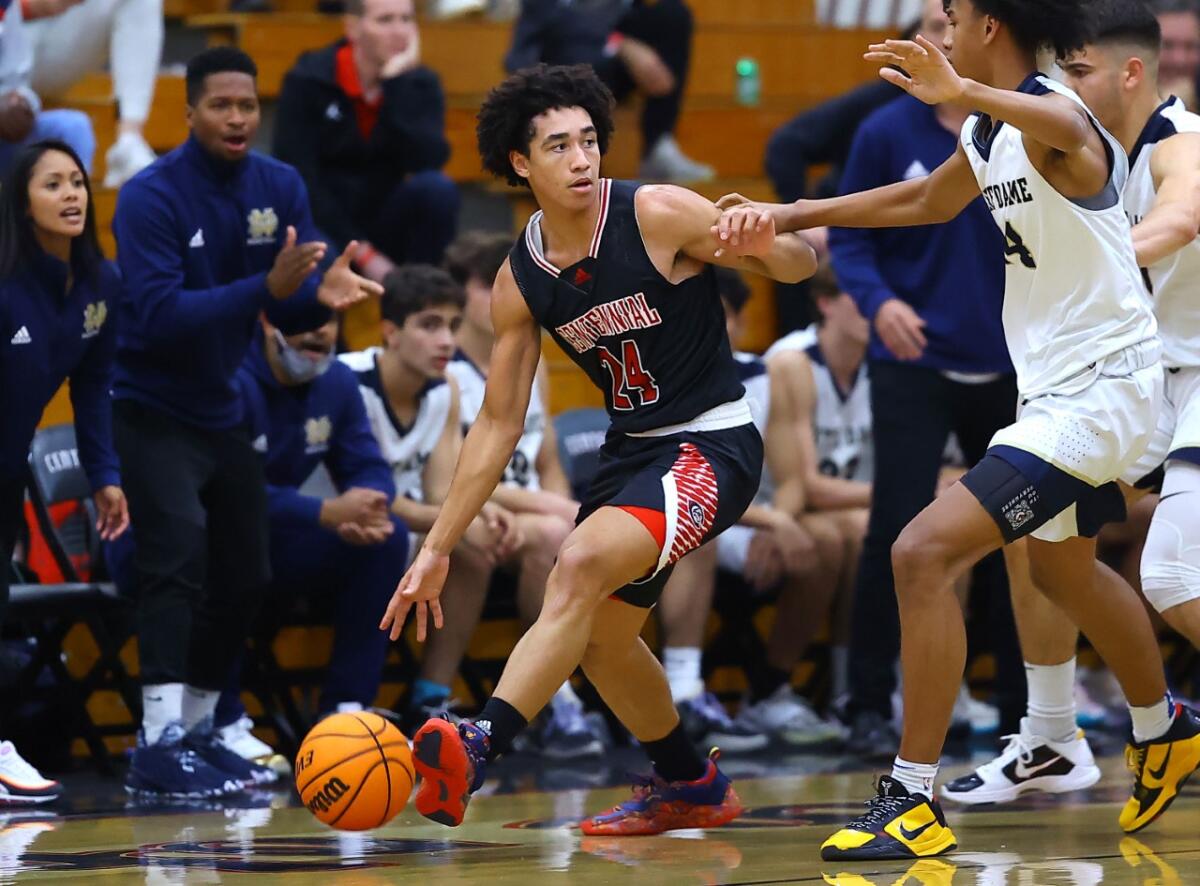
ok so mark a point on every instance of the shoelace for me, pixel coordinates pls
(1135, 758)
(645, 789)
(879, 809)
(1016, 742)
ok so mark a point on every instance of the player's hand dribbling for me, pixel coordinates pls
(930, 77)
(419, 589)
(341, 287)
(292, 265)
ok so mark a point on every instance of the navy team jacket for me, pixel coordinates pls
(299, 427)
(195, 240)
(49, 335)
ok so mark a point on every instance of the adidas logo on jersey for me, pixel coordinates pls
(915, 170)
(197, 240)
(22, 337)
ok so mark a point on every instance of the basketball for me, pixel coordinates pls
(354, 771)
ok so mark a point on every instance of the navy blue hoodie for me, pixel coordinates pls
(951, 274)
(195, 239)
(298, 427)
(49, 335)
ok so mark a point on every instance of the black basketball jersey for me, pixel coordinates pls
(657, 350)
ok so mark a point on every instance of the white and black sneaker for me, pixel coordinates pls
(1028, 763)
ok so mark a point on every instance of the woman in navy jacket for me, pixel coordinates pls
(57, 295)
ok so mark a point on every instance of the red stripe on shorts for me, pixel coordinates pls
(696, 484)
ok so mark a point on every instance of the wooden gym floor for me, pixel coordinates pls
(519, 832)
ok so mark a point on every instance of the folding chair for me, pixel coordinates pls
(49, 611)
(580, 434)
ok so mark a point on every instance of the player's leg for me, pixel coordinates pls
(690, 792)
(1166, 737)
(462, 601)
(565, 731)
(683, 611)
(803, 608)
(1049, 753)
(1171, 559)
(941, 544)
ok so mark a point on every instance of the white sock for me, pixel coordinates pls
(349, 707)
(162, 704)
(682, 664)
(198, 704)
(1153, 721)
(917, 778)
(566, 695)
(1051, 707)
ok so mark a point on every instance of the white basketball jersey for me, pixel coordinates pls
(1174, 281)
(752, 371)
(406, 449)
(842, 422)
(522, 468)
(1073, 292)
(800, 340)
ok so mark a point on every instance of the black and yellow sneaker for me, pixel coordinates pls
(926, 872)
(1160, 769)
(895, 825)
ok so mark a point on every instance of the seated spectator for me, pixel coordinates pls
(22, 120)
(303, 412)
(1179, 61)
(414, 415)
(535, 488)
(639, 46)
(73, 38)
(781, 544)
(364, 123)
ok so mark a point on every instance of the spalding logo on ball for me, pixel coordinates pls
(354, 771)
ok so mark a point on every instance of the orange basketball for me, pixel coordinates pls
(354, 771)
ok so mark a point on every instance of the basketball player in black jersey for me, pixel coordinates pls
(617, 274)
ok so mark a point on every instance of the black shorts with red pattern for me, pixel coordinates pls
(702, 482)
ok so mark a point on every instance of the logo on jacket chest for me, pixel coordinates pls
(262, 225)
(317, 432)
(611, 318)
(94, 316)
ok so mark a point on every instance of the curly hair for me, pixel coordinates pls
(1058, 24)
(410, 289)
(505, 121)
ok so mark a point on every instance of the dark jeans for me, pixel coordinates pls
(198, 503)
(914, 410)
(12, 519)
(666, 26)
(317, 561)
(417, 220)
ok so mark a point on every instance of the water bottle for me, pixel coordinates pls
(748, 88)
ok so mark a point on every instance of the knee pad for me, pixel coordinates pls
(1171, 558)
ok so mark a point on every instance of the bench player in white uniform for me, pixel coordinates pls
(1116, 74)
(414, 413)
(534, 489)
(1083, 339)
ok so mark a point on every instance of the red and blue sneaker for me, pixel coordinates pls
(657, 805)
(451, 760)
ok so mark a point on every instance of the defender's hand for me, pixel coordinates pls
(420, 588)
(745, 230)
(930, 77)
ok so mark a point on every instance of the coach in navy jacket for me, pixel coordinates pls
(306, 418)
(208, 236)
(938, 364)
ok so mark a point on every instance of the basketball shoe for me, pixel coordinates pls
(21, 783)
(657, 806)
(452, 761)
(173, 769)
(708, 724)
(238, 737)
(895, 825)
(1160, 768)
(206, 741)
(1028, 763)
(789, 717)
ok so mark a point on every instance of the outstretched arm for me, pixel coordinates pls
(485, 453)
(934, 199)
(680, 225)
(1174, 221)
